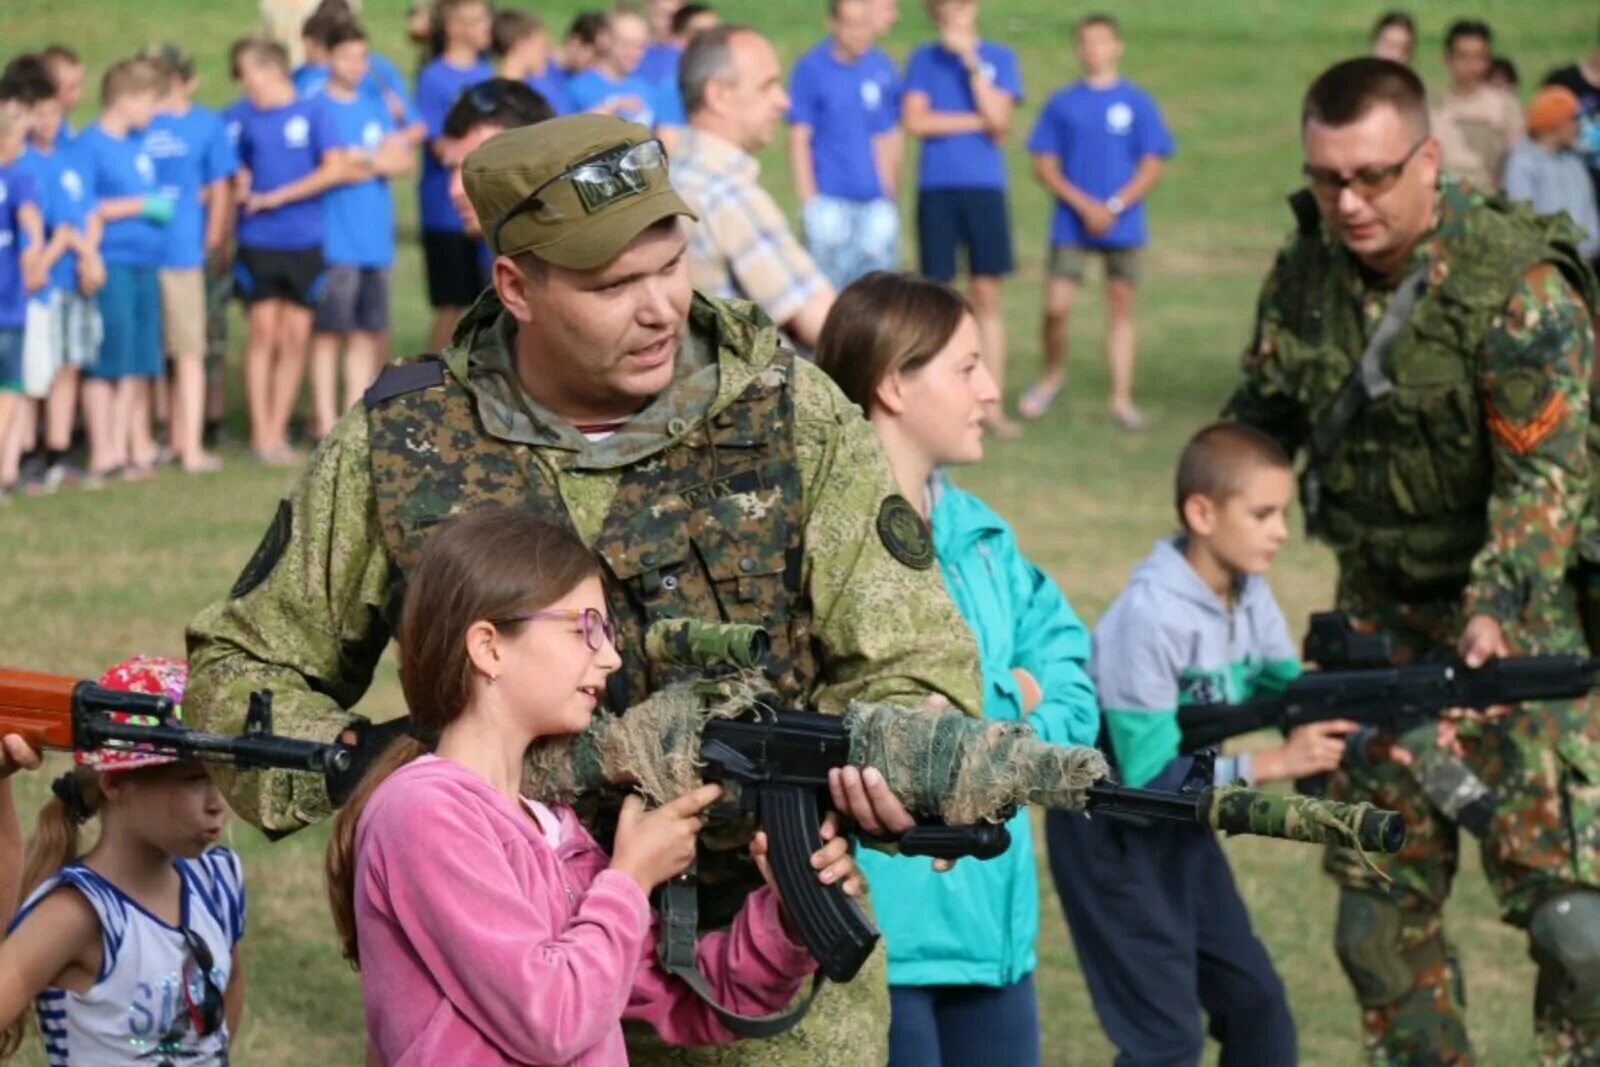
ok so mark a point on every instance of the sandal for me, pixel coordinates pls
(1037, 399)
(1130, 419)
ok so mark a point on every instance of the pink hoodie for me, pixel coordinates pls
(481, 943)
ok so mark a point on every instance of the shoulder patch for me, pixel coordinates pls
(399, 378)
(904, 534)
(267, 553)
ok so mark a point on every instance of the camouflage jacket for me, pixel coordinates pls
(312, 612)
(1468, 479)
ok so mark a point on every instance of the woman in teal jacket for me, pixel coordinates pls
(961, 944)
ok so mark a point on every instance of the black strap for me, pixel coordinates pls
(1366, 383)
(397, 379)
(678, 905)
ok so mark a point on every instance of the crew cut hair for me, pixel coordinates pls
(708, 58)
(1399, 19)
(1218, 459)
(1467, 28)
(1097, 18)
(1346, 91)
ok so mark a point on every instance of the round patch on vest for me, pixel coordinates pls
(904, 534)
(267, 553)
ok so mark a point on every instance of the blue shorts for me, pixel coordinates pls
(977, 218)
(10, 359)
(130, 315)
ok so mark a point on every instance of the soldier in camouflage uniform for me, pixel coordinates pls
(1451, 496)
(713, 474)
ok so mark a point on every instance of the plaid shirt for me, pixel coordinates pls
(743, 247)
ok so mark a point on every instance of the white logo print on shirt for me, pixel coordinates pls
(297, 132)
(146, 169)
(372, 134)
(871, 95)
(72, 184)
(1119, 118)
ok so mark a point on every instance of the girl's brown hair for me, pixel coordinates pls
(886, 322)
(487, 564)
(76, 798)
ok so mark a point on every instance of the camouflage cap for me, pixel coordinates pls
(595, 194)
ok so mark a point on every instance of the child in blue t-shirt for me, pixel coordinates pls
(959, 96)
(358, 242)
(844, 134)
(134, 211)
(1098, 146)
(522, 44)
(285, 170)
(613, 85)
(450, 256)
(63, 315)
(21, 249)
(195, 164)
(1162, 935)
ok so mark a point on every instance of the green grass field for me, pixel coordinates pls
(91, 577)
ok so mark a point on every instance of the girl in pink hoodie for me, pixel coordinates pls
(493, 929)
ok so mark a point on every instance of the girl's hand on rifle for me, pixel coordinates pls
(16, 755)
(832, 862)
(653, 846)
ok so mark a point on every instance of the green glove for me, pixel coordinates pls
(158, 209)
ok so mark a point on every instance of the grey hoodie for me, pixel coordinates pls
(1168, 641)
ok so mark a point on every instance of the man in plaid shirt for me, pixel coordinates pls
(743, 247)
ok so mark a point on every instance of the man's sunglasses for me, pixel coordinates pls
(1366, 182)
(596, 182)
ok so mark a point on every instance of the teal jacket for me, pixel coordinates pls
(976, 924)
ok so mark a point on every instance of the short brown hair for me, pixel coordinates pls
(510, 28)
(259, 51)
(1218, 459)
(885, 322)
(484, 565)
(128, 77)
(1345, 92)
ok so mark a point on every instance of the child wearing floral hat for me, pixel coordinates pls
(130, 950)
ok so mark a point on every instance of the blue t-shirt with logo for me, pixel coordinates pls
(960, 160)
(190, 151)
(438, 86)
(1099, 136)
(278, 146)
(359, 217)
(552, 85)
(846, 105)
(16, 189)
(660, 63)
(592, 89)
(121, 167)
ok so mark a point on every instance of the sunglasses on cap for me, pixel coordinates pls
(1366, 182)
(595, 183)
(597, 627)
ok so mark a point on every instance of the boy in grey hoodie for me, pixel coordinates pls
(1160, 929)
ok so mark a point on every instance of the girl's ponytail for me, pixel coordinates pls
(341, 858)
(55, 843)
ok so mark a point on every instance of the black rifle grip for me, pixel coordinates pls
(833, 927)
(983, 841)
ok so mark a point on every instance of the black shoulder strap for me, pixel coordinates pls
(396, 379)
(1306, 215)
(678, 907)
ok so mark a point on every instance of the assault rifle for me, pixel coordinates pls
(773, 762)
(1391, 698)
(56, 712)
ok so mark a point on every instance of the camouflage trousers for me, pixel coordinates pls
(1543, 761)
(847, 1025)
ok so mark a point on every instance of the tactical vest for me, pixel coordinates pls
(1405, 488)
(710, 527)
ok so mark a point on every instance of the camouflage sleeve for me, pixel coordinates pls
(304, 620)
(1534, 383)
(1263, 398)
(887, 627)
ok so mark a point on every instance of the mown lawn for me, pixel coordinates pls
(89, 578)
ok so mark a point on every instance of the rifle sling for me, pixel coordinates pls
(1367, 382)
(678, 905)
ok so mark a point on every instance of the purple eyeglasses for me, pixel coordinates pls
(597, 627)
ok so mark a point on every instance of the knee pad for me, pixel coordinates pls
(1564, 940)
(1367, 938)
